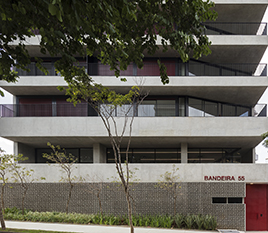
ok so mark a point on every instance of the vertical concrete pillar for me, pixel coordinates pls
(184, 152)
(253, 155)
(99, 153)
(16, 148)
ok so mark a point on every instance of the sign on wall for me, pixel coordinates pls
(224, 178)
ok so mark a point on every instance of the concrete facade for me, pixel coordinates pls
(208, 129)
(151, 173)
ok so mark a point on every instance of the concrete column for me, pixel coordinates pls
(184, 153)
(16, 148)
(99, 153)
(253, 155)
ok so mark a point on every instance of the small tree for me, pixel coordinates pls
(3, 171)
(169, 182)
(22, 176)
(6, 160)
(117, 112)
(66, 163)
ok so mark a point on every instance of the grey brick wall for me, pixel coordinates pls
(193, 198)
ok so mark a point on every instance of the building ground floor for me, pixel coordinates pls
(236, 194)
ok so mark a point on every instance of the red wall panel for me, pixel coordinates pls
(34, 107)
(256, 207)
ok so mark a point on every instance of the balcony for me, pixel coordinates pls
(194, 108)
(236, 28)
(151, 68)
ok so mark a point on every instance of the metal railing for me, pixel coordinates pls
(225, 110)
(236, 28)
(144, 110)
(44, 110)
(152, 69)
(34, 71)
(231, 69)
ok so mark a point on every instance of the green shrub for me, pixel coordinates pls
(179, 220)
(190, 221)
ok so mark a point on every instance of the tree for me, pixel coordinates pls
(169, 182)
(6, 160)
(117, 32)
(22, 176)
(117, 112)
(3, 170)
(66, 163)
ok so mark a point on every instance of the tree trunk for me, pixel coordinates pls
(3, 225)
(2, 197)
(22, 201)
(98, 196)
(69, 198)
(175, 200)
(129, 212)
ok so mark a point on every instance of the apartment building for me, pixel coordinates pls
(206, 121)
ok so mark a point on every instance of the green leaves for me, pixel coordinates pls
(118, 32)
(54, 10)
(163, 72)
(3, 16)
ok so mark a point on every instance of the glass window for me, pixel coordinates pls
(242, 111)
(231, 156)
(211, 155)
(143, 156)
(166, 108)
(211, 70)
(196, 68)
(194, 156)
(211, 108)
(86, 156)
(110, 155)
(227, 72)
(73, 152)
(167, 156)
(124, 110)
(40, 153)
(195, 107)
(108, 110)
(228, 110)
(147, 108)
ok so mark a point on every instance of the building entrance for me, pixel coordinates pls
(256, 207)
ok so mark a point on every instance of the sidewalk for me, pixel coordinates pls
(90, 228)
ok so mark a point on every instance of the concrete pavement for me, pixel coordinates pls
(90, 228)
(63, 227)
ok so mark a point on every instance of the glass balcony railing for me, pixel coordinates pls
(235, 28)
(193, 68)
(144, 110)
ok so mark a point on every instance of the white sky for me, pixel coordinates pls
(261, 151)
